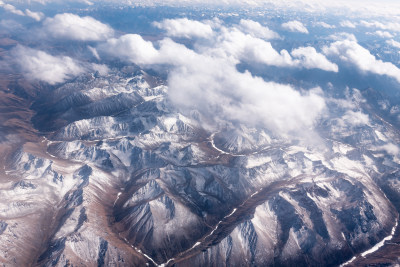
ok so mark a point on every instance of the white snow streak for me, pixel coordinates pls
(115, 202)
(374, 248)
(143, 254)
(380, 244)
(348, 262)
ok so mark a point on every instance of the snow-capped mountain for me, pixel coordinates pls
(120, 177)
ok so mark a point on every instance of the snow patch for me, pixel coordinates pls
(257, 161)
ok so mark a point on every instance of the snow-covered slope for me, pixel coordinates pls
(122, 178)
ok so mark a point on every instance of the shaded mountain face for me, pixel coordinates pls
(115, 175)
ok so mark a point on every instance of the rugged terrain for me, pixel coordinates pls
(104, 171)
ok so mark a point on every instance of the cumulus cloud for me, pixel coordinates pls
(238, 46)
(325, 25)
(342, 36)
(213, 86)
(351, 52)
(369, 7)
(355, 118)
(388, 26)
(339, 7)
(241, 97)
(100, 68)
(207, 80)
(255, 29)
(230, 43)
(310, 58)
(131, 47)
(391, 149)
(382, 34)
(185, 28)
(38, 16)
(205, 77)
(393, 43)
(12, 9)
(73, 27)
(347, 24)
(40, 66)
(295, 26)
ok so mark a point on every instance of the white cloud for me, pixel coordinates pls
(339, 7)
(295, 26)
(12, 9)
(185, 28)
(94, 52)
(388, 26)
(355, 118)
(73, 27)
(351, 52)
(87, 2)
(382, 34)
(250, 100)
(391, 148)
(213, 86)
(347, 24)
(393, 43)
(238, 46)
(342, 36)
(209, 82)
(205, 77)
(131, 47)
(100, 68)
(38, 16)
(325, 25)
(229, 43)
(310, 58)
(45, 2)
(255, 29)
(40, 66)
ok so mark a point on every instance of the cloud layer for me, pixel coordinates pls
(204, 74)
(339, 7)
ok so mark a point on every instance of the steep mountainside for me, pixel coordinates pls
(121, 178)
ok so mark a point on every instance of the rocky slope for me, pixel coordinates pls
(121, 178)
